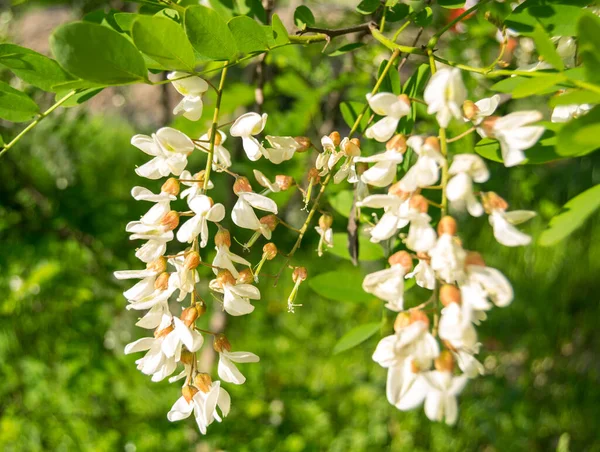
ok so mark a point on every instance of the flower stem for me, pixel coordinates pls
(213, 129)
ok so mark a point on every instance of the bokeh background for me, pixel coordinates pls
(65, 383)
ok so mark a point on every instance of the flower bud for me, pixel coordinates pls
(162, 282)
(449, 294)
(423, 256)
(199, 176)
(432, 142)
(470, 110)
(404, 99)
(223, 237)
(245, 276)
(270, 251)
(361, 167)
(299, 274)
(449, 346)
(401, 258)
(159, 265)
(397, 191)
(397, 143)
(416, 315)
(192, 260)
(242, 185)
(313, 176)
(225, 277)
(491, 201)
(414, 367)
(284, 182)
(171, 220)
(271, 221)
(203, 382)
(218, 137)
(402, 321)
(444, 362)
(162, 333)
(488, 125)
(335, 137)
(474, 258)
(188, 392)
(187, 357)
(325, 221)
(221, 343)
(418, 202)
(201, 308)
(189, 315)
(304, 142)
(447, 225)
(351, 147)
(171, 186)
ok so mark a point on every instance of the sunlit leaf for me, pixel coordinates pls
(356, 336)
(15, 105)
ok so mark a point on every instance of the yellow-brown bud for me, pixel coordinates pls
(171, 186)
(201, 308)
(159, 265)
(470, 110)
(491, 201)
(223, 237)
(242, 185)
(313, 176)
(284, 182)
(218, 137)
(422, 256)
(162, 333)
(225, 277)
(162, 281)
(361, 167)
(474, 258)
(447, 225)
(170, 221)
(402, 321)
(488, 125)
(189, 315)
(418, 202)
(271, 221)
(432, 142)
(270, 251)
(192, 260)
(245, 276)
(404, 99)
(187, 357)
(414, 367)
(444, 362)
(188, 392)
(299, 274)
(203, 382)
(417, 315)
(304, 143)
(325, 221)
(336, 138)
(199, 176)
(449, 294)
(397, 143)
(397, 191)
(221, 343)
(351, 147)
(401, 258)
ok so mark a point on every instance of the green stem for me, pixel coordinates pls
(213, 129)
(37, 121)
(393, 46)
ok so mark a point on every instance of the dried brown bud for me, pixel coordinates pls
(270, 251)
(432, 142)
(449, 294)
(188, 392)
(299, 274)
(189, 315)
(245, 276)
(313, 176)
(223, 237)
(221, 343)
(162, 282)
(271, 221)
(444, 362)
(402, 321)
(418, 202)
(336, 138)
(417, 315)
(401, 258)
(447, 225)
(474, 258)
(162, 333)
(351, 147)
(284, 182)
(304, 142)
(397, 143)
(470, 110)
(187, 357)
(170, 221)
(325, 221)
(242, 185)
(491, 201)
(159, 265)
(171, 186)
(192, 260)
(396, 190)
(203, 382)
(225, 277)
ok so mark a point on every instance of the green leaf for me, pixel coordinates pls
(346, 48)
(538, 85)
(580, 136)
(524, 84)
(572, 216)
(391, 81)
(249, 35)
(97, 53)
(209, 33)
(452, 4)
(281, 34)
(558, 18)
(545, 48)
(32, 67)
(79, 98)
(350, 112)
(16, 106)
(223, 7)
(356, 336)
(340, 286)
(397, 12)
(424, 17)
(588, 34)
(164, 41)
(575, 97)
(342, 202)
(414, 85)
(368, 6)
(125, 20)
(367, 250)
(304, 16)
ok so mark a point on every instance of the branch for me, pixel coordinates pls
(331, 33)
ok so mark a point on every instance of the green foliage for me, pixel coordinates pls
(367, 7)
(580, 136)
(356, 336)
(557, 17)
(209, 33)
(350, 112)
(340, 286)
(588, 33)
(248, 35)
(303, 16)
(16, 106)
(545, 47)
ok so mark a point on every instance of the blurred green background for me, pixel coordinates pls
(65, 383)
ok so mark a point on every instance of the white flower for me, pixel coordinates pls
(196, 188)
(192, 89)
(326, 239)
(185, 278)
(221, 156)
(480, 285)
(466, 169)
(445, 94)
(485, 107)
(224, 259)
(423, 274)
(395, 215)
(456, 328)
(502, 223)
(327, 159)
(143, 194)
(440, 398)
(448, 259)
(205, 211)
(150, 228)
(392, 108)
(170, 149)
(421, 235)
(246, 126)
(282, 148)
(243, 214)
(564, 113)
(236, 297)
(264, 181)
(387, 284)
(426, 170)
(383, 172)
(227, 369)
